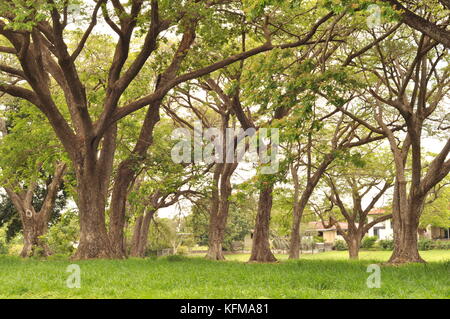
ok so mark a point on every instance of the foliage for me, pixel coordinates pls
(425, 244)
(240, 219)
(437, 209)
(340, 245)
(368, 242)
(28, 153)
(386, 244)
(161, 235)
(64, 233)
(9, 219)
(3, 241)
(441, 244)
(30, 149)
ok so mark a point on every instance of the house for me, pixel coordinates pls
(384, 229)
(330, 235)
(435, 232)
(381, 230)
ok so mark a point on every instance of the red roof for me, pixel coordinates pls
(318, 226)
(377, 211)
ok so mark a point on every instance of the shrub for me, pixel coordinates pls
(15, 249)
(368, 242)
(182, 250)
(318, 239)
(340, 245)
(386, 244)
(3, 241)
(62, 235)
(176, 258)
(3, 248)
(441, 244)
(425, 244)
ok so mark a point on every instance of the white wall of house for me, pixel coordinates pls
(381, 230)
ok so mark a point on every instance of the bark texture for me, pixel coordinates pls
(261, 236)
(219, 209)
(35, 223)
(140, 234)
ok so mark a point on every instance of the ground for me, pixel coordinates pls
(325, 275)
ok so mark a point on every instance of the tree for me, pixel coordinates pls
(159, 183)
(37, 37)
(370, 177)
(10, 218)
(239, 222)
(219, 111)
(32, 169)
(429, 18)
(409, 83)
(437, 211)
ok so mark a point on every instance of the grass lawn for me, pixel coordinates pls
(325, 275)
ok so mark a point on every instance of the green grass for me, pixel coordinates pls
(326, 275)
(379, 256)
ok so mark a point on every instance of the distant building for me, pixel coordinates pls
(330, 235)
(435, 232)
(381, 230)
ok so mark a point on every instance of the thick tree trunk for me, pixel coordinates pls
(35, 224)
(261, 245)
(91, 201)
(215, 240)
(406, 238)
(406, 215)
(122, 182)
(140, 235)
(353, 244)
(135, 238)
(33, 228)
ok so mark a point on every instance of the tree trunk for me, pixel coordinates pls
(406, 215)
(91, 201)
(219, 210)
(140, 235)
(135, 238)
(215, 240)
(295, 240)
(405, 237)
(354, 243)
(261, 245)
(126, 174)
(124, 177)
(35, 224)
(34, 227)
(299, 208)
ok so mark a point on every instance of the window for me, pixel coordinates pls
(376, 232)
